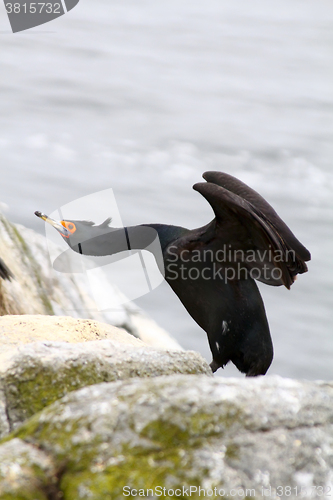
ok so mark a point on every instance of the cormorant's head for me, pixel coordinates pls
(74, 231)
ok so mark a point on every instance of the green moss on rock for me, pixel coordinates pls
(137, 468)
(31, 387)
(120, 442)
(96, 470)
(232, 452)
(25, 473)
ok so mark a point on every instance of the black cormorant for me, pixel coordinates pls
(213, 269)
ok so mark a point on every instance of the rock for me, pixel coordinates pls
(25, 473)
(239, 436)
(38, 289)
(35, 374)
(18, 330)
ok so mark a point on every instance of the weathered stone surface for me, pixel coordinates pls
(26, 473)
(238, 436)
(22, 329)
(38, 289)
(35, 374)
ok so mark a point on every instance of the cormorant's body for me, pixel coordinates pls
(213, 269)
(231, 312)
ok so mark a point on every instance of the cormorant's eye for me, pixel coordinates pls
(69, 225)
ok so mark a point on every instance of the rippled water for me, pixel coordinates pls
(144, 96)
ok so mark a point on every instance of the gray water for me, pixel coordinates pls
(144, 96)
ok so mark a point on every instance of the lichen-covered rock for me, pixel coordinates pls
(35, 374)
(26, 473)
(38, 289)
(184, 432)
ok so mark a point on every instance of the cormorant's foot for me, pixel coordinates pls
(214, 366)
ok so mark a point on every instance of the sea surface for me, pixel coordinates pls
(143, 97)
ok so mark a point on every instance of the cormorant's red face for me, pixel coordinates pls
(70, 226)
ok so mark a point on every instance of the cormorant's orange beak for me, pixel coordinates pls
(57, 225)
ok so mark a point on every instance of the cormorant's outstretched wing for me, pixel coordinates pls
(244, 191)
(5, 273)
(245, 228)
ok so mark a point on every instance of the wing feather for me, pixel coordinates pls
(241, 189)
(246, 226)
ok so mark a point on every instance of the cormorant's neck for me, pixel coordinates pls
(110, 241)
(167, 233)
